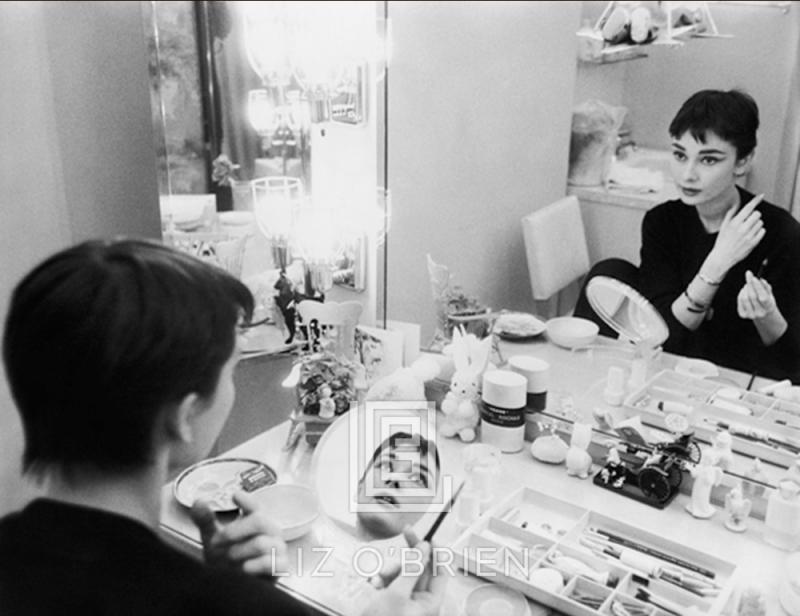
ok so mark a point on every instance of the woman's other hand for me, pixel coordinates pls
(251, 543)
(738, 235)
(756, 302)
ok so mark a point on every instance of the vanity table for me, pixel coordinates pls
(578, 374)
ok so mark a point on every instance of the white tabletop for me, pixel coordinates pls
(574, 373)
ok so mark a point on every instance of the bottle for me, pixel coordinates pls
(503, 410)
(782, 521)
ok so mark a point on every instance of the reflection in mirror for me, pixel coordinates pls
(279, 92)
(467, 163)
(626, 311)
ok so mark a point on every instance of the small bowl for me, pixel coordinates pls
(495, 600)
(572, 332)
(186, 210)
(293, 508)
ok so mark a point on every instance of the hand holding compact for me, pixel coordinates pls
(755, 300)
(739, 234)
(251, 542)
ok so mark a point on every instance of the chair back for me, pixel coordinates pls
(555, 246)
(334, 321)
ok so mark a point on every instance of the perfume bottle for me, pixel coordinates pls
(782, 521)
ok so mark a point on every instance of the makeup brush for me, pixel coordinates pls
(443, 514)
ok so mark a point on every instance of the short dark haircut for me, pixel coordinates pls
(102, 336)
(416, 440)
(731, 115)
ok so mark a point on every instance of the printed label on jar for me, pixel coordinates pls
(499, 416)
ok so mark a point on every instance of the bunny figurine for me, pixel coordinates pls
(579, 462)
(460, 405)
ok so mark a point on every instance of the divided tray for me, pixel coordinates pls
(751, 417)
(513, 542)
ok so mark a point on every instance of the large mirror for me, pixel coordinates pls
(470, 130)
(480, 102)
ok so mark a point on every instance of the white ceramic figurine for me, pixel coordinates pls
(738, 508)
(705, 476)
(579, 462)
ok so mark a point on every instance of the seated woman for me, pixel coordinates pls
(720, 265)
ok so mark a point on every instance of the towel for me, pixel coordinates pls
(636, 179)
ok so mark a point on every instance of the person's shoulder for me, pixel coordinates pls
(781, 216)
(213, 590)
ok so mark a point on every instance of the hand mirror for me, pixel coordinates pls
(627, 312)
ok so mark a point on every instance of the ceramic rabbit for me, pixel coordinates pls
(579, 462)
(460, 405)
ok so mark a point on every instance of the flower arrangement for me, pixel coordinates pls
(223, 169)
(326, 386)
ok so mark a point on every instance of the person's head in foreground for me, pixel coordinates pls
(401, 463)
(120, 358)
(119, 354)
(713, 142)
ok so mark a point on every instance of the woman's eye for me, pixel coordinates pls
(679, 156)
(709, 160)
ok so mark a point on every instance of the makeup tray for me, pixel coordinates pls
(762, 426)
(556, 535)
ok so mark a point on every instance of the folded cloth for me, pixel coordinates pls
(639, 179)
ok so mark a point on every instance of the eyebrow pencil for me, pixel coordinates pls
(629, 543)
(443, 514)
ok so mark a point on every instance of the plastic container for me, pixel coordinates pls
(503, 410)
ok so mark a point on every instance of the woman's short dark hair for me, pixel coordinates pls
(103, 336)
(732, 116)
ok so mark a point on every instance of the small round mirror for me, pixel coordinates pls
(626, 311)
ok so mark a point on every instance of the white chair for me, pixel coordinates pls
(555, 245)
(331, 321)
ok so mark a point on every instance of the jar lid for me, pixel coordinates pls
(505, 389)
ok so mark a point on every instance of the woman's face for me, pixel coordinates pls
(395, 512)
(705, 173)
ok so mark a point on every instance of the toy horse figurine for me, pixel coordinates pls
(285, 299)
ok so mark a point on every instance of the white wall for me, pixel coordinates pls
(479, 124)
(759, 58)
(77, 157)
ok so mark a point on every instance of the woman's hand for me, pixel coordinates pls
(738, 235)
(251, 543)
(419, 593)
(755, 300)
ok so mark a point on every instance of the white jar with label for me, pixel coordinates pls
(503, 410)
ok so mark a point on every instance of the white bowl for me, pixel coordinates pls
(293, 508)
(571, 332)
(495, 600)
(187, 210)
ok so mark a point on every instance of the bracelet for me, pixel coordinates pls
(707, 280)
(695, 304)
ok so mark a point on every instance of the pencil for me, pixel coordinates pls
(443, 514)
(629, 543)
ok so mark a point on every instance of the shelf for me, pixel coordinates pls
(617, 53)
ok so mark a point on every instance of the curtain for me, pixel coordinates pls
(788, 178)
